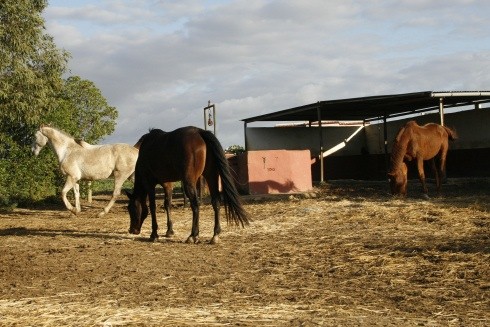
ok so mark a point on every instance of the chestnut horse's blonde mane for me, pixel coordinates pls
(399, 148)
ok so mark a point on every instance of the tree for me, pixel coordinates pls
(83, 111)
(31, 68)
(32, 92)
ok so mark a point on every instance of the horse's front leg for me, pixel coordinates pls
(167, 204)
(69, 184)
(154, 224)
(420, 168)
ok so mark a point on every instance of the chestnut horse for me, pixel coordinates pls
(421, 143)
(183, 155)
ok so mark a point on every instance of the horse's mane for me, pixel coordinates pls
(155, 131)
(77, 141)
(151, 132)
(399, 149)
(85, 144)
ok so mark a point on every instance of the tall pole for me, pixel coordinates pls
(245, 135)
(441, 110)
(319, 114)
(210, 109)
(210, 120)
(385, 137)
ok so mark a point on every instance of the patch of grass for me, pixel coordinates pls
(106, 186)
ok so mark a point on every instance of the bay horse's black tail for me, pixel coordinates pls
(231, 200)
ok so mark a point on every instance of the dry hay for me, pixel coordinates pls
(348, 255)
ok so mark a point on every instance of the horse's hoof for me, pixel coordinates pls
(102, 214)
(425, 197)
(214, 240)
(192, 239)
(169, 234)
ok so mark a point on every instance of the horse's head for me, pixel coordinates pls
(398, 180)
(138, 211)
(40, 140)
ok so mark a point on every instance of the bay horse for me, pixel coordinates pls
(183, 155)
(419, 143)
(80, 160)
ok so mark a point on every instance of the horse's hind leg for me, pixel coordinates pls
(215, 202)
(76, 190)
(213, 185)
(118, 183)
(191, 192)
(437, 174)
(442, 163)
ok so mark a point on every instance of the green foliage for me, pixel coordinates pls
(33, 92)
(25, 179)
(235, 149)
(30, 77)
(83, 111)
(30, 67)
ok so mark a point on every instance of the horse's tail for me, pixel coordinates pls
(451, 133)
(233, 207)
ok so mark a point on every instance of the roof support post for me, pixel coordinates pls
(319, 114)
(385, 134)
(441, 110)
(385, 137)
(245, 135)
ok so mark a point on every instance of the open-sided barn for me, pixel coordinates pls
(355, 135)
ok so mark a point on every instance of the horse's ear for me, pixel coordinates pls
(391, 174)
(129, 194)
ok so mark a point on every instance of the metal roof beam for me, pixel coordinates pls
(460, 94)
(372, 107)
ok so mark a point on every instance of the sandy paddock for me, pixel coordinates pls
(347, 254)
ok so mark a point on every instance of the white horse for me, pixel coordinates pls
(80, 160)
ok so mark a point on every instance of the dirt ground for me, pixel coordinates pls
(346, 255)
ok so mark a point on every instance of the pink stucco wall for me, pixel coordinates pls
(274, 171)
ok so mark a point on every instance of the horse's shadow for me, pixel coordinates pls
(24, 232)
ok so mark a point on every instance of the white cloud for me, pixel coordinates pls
(161, 61)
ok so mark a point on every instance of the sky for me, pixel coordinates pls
(160, 62)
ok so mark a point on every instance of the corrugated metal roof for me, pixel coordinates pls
(375, 107)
